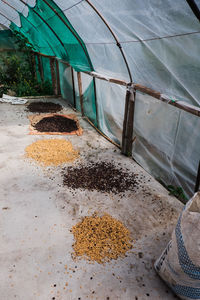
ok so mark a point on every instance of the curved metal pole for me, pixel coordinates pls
(29, 22)
(5, 17)
(74, 34)
(194, 8)
(115, 37)
(48, 26)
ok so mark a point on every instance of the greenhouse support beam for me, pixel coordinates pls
(33, 58)
(194, 8)
(138, 87)
(73, 86)
(75, 35)
(197, 185)
(58, 77)
(53, 76)
(106, 78)
(127, 134)
(28, 21)
(47, 26)
(80, 88)
(114, 36)
(194, 110)
(40, 68)
(96, 102)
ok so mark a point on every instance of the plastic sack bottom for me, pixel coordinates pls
(179, 264)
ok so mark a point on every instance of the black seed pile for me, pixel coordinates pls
(99, 176)
(56, 124)
(44, 107)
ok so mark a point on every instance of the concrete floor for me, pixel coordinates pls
(37, 213)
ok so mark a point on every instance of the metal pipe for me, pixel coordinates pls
(96, 104)
(194, 8)
(115, 37)
(28, 21)
(5, 17)
(74, 34)
(47, 26)
(73, 86)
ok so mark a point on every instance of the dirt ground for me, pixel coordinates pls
(37, 213)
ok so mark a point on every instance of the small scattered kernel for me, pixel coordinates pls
(52, 152)
(100, 238)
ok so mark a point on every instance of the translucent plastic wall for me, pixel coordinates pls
(167, 147)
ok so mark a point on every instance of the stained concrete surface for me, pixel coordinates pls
(37, 213)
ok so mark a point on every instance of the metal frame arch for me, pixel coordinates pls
(47, 26)
(194, 8)
(74, 34)
(20, 14)
(114, 36)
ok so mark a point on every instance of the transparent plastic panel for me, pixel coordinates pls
(110, 107)
(106, 58)
(89, 104)
(167, 148)
(135, 20)
(66, 5)
(18, 5)
(66, 83)
(4, 23)
(9, 12)
(170, 66)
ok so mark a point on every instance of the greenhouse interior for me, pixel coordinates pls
(99, 155)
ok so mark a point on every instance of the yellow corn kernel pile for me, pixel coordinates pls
(52, 152)
(100, 238)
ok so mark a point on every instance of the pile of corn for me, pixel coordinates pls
(52, 152)
(100, 238)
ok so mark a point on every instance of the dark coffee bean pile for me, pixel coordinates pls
(56, 124)
(44, 107)
(100, 176)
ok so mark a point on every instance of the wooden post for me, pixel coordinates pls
(127, 135)
(96, 104)
(73, 86)
(58, 78)
(40, 67)
(80, 91)
(53, 76)
(197, 180)
(34, 65)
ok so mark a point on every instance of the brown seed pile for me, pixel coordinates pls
(100, 238)
(56, 124)
(101, 176)
(52, 152)
(44, 107)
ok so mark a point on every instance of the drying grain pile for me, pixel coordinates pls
(44, 107)
(100, 176)
(52, 152)
(56, 123)
(100, 239)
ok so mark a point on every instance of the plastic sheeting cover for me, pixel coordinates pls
(168, 148)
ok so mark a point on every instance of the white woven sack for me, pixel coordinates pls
(179, 264)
